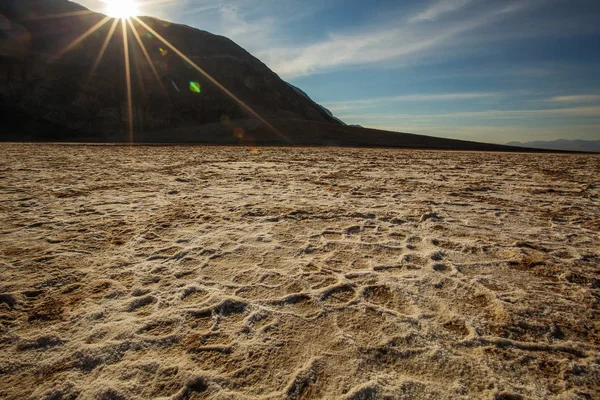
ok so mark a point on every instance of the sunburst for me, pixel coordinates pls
(122, 8)
(126, 12)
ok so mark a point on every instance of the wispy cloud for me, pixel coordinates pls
(438, 9)
(553, 112)
(254, 24)
(382, 42)
(416, 98)
(202, 9)
(237, 27)
(576, 99)
(593, 112)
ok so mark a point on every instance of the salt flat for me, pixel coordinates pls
(298, 273)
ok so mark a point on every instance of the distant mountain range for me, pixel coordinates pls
(562, 144)
(198, 88)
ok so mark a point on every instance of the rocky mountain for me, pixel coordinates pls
(63, 89)
(562, 144)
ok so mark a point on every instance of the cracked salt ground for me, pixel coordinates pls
(217, 273)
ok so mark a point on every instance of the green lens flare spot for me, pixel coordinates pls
(194, 87)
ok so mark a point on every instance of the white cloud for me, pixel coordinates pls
(381, 42)
(554, 112)
(440, 8)
(576, 99)
(364, 103)
(237, 28)
(489, 114)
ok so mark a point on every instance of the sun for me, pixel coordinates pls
(121, 8)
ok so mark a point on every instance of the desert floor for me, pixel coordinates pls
(288, 273)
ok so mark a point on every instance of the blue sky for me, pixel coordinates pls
(485, 70)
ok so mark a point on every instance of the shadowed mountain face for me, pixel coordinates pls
(63, 90)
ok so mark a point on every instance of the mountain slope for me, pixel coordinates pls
(62, 90)
(306, 96)
(562, 144)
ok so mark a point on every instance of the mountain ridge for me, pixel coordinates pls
(327, 111)
(33, 39)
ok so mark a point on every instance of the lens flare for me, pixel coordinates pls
(81, 38)
(126, 10)
(239, 133)
(212, 80)
(128, 81)
(111, 32)
(148, 59)
(194, 87)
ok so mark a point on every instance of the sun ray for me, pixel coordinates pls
(128, 81)
(111, 32)
(150, 62)
(82, 37)
(138, 62)
(212, 80)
